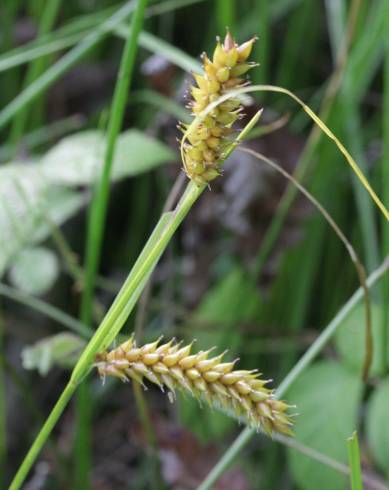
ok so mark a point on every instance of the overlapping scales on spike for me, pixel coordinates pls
(240, 393)
(203, 151)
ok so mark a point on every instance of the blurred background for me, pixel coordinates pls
(254, 268)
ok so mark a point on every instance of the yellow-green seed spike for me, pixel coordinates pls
(238, 392)
(221, 75)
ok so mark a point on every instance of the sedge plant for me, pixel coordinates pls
(205, 145)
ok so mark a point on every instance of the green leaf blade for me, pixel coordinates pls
(327, 398)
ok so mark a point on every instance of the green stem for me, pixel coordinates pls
(42, 436)
(355, 462)
(99, 207)
(96, 225)
(301, 365)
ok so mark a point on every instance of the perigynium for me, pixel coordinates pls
(203, 151)
(239, 393)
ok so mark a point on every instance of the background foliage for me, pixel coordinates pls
(236, 276)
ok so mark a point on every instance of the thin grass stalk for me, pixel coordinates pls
(49, 16)
(307, 358)
(316, 119)
(350, 250)
(64, 64)
(159, 46)
(166, 6)
(290, 193)
(365, 207)
(75, 32)
(46, 309)
(351, 116)
(120, 309)
(96, 225)
(100, 199)
(54, 43)
(42, 437)
(354, 459)
(371, 482)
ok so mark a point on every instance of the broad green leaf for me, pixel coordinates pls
(27, 206)
(378, 427)
(327, 396)
(60, 350)
(31, 192)
(232, 301)
(78, 159)
(350, 339)
(34, 270)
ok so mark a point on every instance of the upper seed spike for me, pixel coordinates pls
(221, 75)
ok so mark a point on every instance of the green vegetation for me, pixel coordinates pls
(282, 259)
